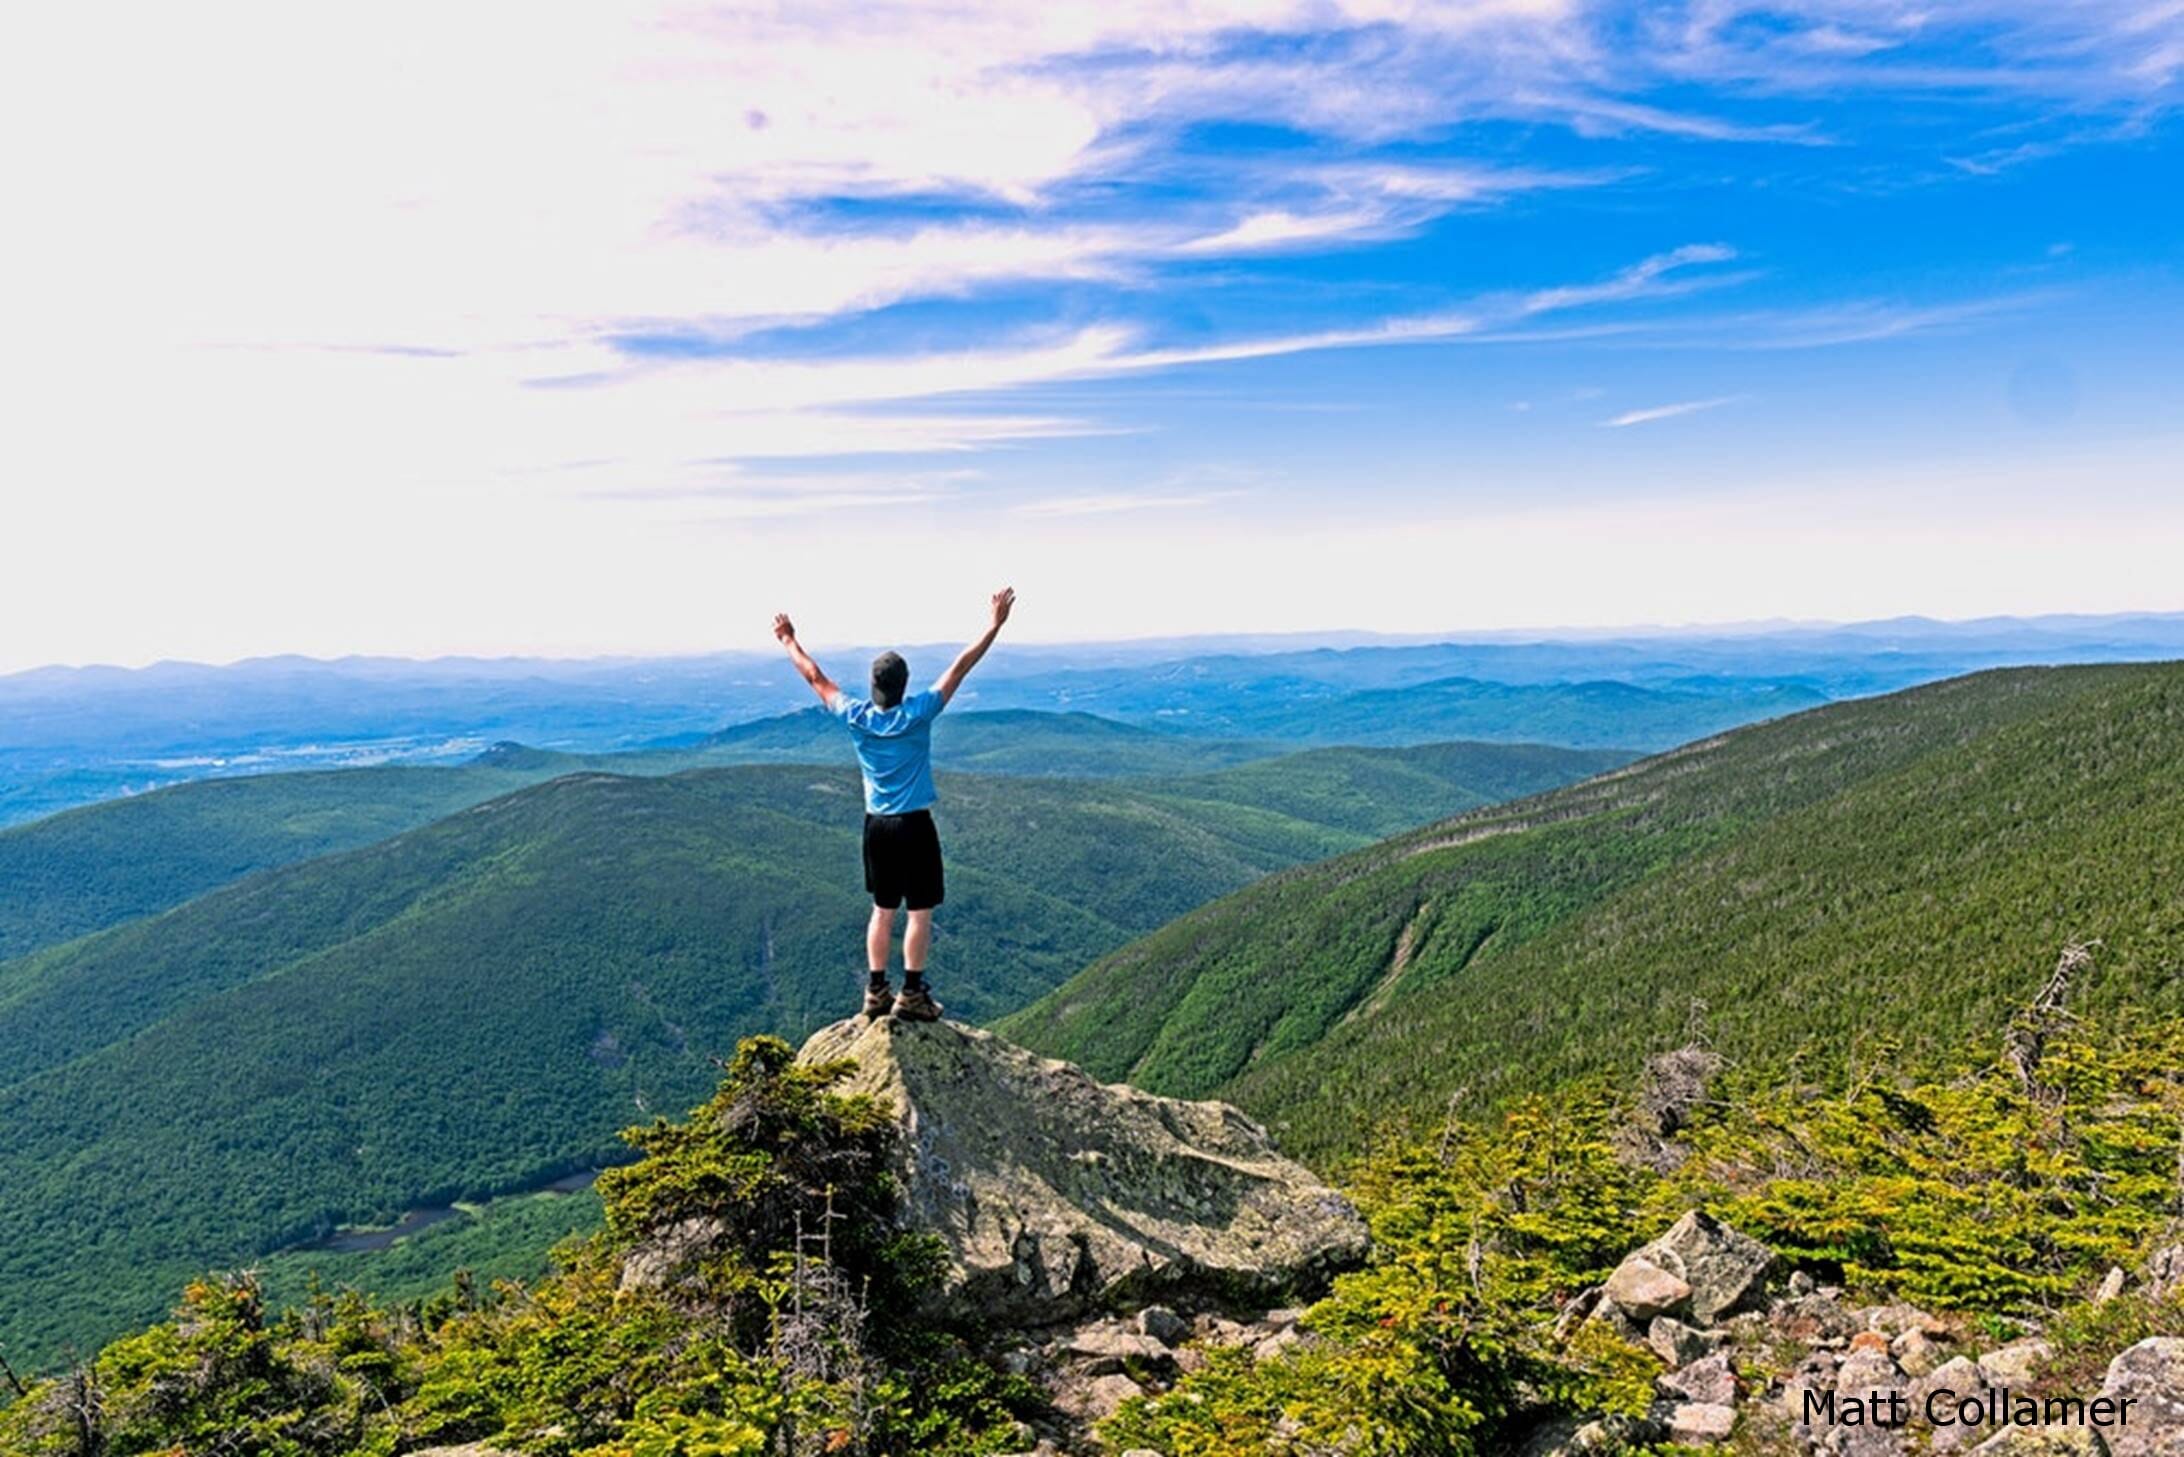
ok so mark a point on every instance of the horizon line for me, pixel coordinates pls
(1302, 638)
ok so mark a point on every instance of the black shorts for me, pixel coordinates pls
(902, 860)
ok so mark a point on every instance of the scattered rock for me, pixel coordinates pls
(1814, 1319)
(1863, 1373)
(1894, 1320)
(1105, 1349)
(1271, 1346)
(1097, 1399)
(1723, 1267)
(1801, 1283)
(1711, 1380)
(1678, 1344)
(1215, 1330)
(1642, 1290)
(2151, 1373)
(1960, 1376)
(1816, 1373)
(1917, 1352)
(1056, 1194)
(2043, 1442)
(2165, 1271)
(1697, 1423)
(2015, 1363)
(1164, 1325)
(2111, 1286)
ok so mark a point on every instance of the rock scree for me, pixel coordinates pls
(1057, 1194)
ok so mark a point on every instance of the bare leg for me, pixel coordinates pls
(879, 932)
(917, 940)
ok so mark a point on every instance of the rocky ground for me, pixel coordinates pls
(1110, 1241)
(1758, 1358)
(1091, 1367)
(1744, 1344)
(1116, 1238)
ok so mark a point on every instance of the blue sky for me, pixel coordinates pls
(587, 329)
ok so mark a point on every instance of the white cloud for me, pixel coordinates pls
(1665, 412)
(284, 281)
(1117, 503)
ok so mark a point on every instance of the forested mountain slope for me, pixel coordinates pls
(478, 1004)
(89, 868)
(85, 869)
(999, 741)
(1896, 868)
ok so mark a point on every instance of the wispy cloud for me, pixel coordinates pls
(1117, 503)
(833, 231)
(1652, 413)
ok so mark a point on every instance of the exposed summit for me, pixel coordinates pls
(1056, 1193)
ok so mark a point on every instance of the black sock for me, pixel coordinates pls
(912, 980)
(878, 983)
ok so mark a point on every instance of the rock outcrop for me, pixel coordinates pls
(1057, 1194)
(2151, 1374)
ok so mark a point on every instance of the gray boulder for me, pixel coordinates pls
(2151, 1373)
(1109, 1347)
(1700, 1423)
(1917, 1352)
(1164, 1325)
(1724, 1269)
(1959, 1375)
(1678, 1344)
(1056, 1194)
(671, 1253)
(1710, 1379)
(1641, 1289)
(2016, 1363)
(1814, 1318)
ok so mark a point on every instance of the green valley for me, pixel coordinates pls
(475, 1005)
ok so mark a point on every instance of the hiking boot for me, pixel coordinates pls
(878, 1002)
(916, 1004)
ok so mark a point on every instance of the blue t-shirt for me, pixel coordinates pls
(894, 748)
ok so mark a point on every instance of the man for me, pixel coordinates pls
(894, 738)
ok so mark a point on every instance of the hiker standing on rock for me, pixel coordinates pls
(894, 738)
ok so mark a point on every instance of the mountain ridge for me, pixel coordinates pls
(1501, 950)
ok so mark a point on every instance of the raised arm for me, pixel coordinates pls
(966, 660)
(784, 632)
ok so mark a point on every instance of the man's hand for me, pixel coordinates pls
(821, 684)
(966, 660)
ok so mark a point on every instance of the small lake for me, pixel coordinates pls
(416, 1221)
